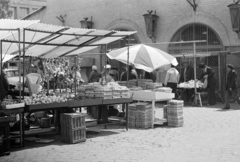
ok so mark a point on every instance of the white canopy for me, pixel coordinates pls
(7, 57)
(50, 41)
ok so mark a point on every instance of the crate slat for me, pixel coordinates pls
(73, 127)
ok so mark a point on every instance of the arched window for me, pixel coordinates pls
(192, 32)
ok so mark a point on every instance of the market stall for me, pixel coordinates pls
(49, 42)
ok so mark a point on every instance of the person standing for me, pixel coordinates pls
(187, 75)
(4, 85)
(105, 75)
(131, 74)
(211, 82)
(231, 86)
(172, 79)
(94, 75)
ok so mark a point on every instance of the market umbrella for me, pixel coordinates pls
(143, 57)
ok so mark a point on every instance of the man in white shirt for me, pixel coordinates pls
(172, 79)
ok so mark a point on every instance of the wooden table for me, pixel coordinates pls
(80, 103)
(146, 95)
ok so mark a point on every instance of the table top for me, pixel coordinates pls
(12, 111)
(80, 103)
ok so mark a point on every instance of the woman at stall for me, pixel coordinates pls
(208, 75)
(94, 75)
(106, 76)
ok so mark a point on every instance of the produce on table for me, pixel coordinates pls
(10, 102)
(43, 99)
(190, 84)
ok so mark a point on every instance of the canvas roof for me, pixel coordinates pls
(51, 41)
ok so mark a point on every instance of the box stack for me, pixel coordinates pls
(143, 115)
(132, 115)
(153, 86)
(164, 89)
(73, 128)
(122, 83)
(175, 113)
(81, 91)
(116, 93)
(143, 83)
(132, 83)
(165, 111)
(125, 92)
(104, 92)
(89, 91)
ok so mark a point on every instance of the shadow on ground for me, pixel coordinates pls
(57, 140)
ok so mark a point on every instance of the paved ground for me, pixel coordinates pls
(209, 135)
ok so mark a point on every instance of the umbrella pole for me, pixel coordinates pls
(75, 77)
(128, 62)
(105, 59)
(195, 77)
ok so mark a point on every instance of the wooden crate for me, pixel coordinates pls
(73, 127)
(74, 136)
(70, 121)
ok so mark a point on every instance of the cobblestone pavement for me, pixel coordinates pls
(209, 135)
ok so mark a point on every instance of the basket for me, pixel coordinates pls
(73, 128)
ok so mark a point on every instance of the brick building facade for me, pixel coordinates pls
(128, 15)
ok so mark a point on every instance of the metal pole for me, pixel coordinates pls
(19, 70)
(219, 73)
(75, 79)
(195, 75)
(128, 61)
(105, 60)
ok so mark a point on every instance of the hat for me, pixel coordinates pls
(108, 66)
(230, 66)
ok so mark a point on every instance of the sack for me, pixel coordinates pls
(205, 83)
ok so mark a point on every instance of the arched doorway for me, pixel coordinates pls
(192, 32)
(197, 31)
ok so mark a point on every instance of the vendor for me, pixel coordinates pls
(76, 74)
(187, 75)
(131, 75)
(94, 75)
(211, 82)
(172, 79)
(3, 85)
(105, 75)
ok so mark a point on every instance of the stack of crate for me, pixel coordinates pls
(132, 83)
(132, 115)
(73, 128)
(144, 115)
(175, 113)
(153, 86)
(165, 111)
(143, 83)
